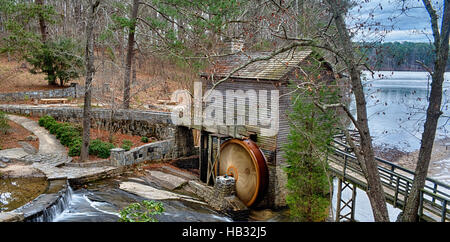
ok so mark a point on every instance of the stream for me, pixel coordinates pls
(102, 202)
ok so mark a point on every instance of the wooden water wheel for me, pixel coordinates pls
(243, 160)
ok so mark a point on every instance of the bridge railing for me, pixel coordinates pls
(434, 198)
(444, 201)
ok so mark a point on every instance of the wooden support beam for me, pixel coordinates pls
(203, 166)
(350, 203)
(209, 179)
(338, 200)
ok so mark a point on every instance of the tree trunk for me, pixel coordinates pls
(42, 24)
(77, 16)
(133, 69)
(375, 189)
(441, 42)
(130, 52)
(89, 75)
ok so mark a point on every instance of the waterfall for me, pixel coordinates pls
(50, 213)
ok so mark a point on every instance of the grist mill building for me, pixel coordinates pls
(248, 126)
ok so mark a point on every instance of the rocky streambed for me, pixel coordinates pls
(103, 200)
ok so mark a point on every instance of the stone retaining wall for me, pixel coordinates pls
(161, 150)
(74, 91)
(55, 93)
(134, 122)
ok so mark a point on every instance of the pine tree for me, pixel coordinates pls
(311, 131)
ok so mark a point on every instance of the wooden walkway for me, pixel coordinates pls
(397, 183)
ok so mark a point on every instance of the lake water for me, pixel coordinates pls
(396, 107)
(397, 103)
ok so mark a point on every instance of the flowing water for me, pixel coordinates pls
(57, 208)
(102, 202)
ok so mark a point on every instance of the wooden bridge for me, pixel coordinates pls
(397, 183)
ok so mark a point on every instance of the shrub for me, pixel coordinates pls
(58, 60)
(54, 127)
(144, 139)
(75, 147)
(68, 136)
(44, 120)
(126, 144)
(52, 124)
(4, 126)
(141, 212)
(49, 123)
(94, 146)
(62, 129)
(100, 148)
(78, 127)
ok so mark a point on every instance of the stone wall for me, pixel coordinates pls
(74, 91)
(134, 122)
(161, 150)
(55, 93)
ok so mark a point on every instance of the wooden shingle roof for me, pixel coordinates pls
(274, 69)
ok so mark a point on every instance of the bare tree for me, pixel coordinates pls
(441, 45)
(88, 84)
(365, 152)
(130, 54)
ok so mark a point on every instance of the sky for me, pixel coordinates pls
(413, 25)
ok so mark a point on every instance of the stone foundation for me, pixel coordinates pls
(275, 195)
(222, 197)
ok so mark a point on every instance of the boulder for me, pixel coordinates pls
(28, 148)
(11, 217)
(4, 159)
(31, 138)
(14, 153)
(165, 180)
(153, 193)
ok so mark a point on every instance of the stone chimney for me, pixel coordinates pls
(233, 45)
